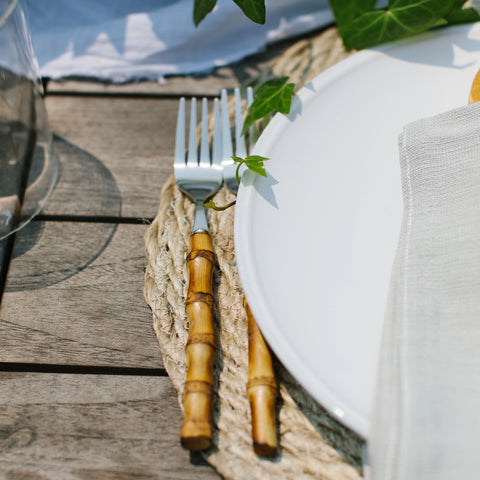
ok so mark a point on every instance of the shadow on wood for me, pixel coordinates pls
(86, 183)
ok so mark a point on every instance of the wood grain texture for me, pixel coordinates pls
(131, 138)
(74, 296)
(189, 85)
(92, 427)
(86, 187)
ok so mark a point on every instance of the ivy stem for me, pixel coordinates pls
(237, 172)
(217, 208)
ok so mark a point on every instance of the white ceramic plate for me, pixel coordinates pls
(315, 241)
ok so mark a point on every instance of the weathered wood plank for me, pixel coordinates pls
(85, 186)
(74, 297)
(120, 148)
(92, 427)
(184, 85)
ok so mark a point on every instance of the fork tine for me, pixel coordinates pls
(240, 146)
(249, 95)
(180, 135)
(217, 134)
(204, 142)
(252, 131)
(192, 134)
(226, 133)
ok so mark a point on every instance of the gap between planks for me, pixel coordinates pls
(95, 219)
(81, 369)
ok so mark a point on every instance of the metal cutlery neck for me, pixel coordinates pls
(200, 222)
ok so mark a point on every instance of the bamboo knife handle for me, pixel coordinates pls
(196, 431)
(261, 389)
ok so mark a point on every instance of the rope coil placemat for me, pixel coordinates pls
(312, 444)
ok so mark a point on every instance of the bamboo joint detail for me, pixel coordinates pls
(196, 432)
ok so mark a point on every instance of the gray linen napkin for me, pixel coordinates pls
(426, 417)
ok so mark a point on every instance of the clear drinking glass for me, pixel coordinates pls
(28, 166)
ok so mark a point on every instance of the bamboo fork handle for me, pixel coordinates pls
(261, 389)
(196, 431)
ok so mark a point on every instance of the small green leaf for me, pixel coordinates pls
(273, 95)
(253, 9)
(252, 162)
(255, 164)
(201, 8)
(211, 204)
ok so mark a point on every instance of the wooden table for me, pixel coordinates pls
(83, 391)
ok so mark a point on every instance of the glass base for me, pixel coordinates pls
(18, 208)
(15, 211)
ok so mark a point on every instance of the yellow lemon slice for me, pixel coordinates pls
(475, 89)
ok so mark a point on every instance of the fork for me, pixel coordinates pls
(261, 386)
(199, 177)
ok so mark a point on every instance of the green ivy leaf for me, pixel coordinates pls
(400, 19)
(253, 9)
(201, 8)
(345, 11)
(273, 95)
(253, 163)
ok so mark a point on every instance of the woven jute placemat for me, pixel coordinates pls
(312, 443)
